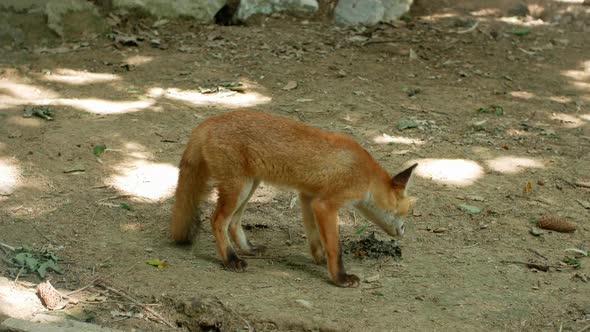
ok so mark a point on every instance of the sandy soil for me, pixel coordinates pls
(497, 107)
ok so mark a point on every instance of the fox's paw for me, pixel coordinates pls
(348, 280)
(318, 255)
(235, 263)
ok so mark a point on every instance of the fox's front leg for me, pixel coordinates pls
(326, 215)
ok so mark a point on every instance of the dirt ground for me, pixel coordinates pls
(497, 106)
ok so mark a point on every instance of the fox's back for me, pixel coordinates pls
(281, 151)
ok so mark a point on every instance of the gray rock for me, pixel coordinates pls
(353, 12)
(394, 9)
(369, 12)
(520, 9)
(202, 11)
(53, 10)
(251, 7)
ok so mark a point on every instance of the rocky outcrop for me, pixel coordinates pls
(368, 12)
(248, 8)
(18, 16)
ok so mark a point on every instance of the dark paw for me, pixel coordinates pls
(319, 257)
(235, 263)
(348, 280)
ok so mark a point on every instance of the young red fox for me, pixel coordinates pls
(238, 150)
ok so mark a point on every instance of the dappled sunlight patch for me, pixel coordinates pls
(522, 94)
(582, 85)
(459, 172)
(486, 12)
(139, 60)
(76, 77)
(16, 93)
(387, 139)
(137, 151)
(17, 301)
(9, 177)
(144, 179)
(24, 122)
(585, 117)
(567, 120)
(101, 106)
(518, 21)
(435, 17)
(24, 91)
(132, 227)
(227, 99)
(579, 75)
(513, 164)
(561, 99)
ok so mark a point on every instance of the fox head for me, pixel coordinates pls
(387, 205)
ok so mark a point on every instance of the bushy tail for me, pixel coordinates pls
(191, 189)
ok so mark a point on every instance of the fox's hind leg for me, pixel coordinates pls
(231, 195)
(311, 230)
(236, 230)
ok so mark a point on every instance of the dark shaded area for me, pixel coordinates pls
(370, 247)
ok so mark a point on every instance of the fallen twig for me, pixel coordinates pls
(42, 234)
(540, 267)
(568, 182)
(112, 198)
(18, 274)
(83, 288)
(538, 253)
(4, 245)
(159, 317)
(585, 328)
(471, 28)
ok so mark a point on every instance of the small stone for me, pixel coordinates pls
(290, 85)
(373, 278)
(155, 42)
(74, 168)
(440, 230)
(149, 249)
(413, 55)
(304, 303)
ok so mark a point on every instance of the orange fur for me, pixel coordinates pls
(237, 150)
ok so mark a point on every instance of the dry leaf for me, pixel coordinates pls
(528, 187)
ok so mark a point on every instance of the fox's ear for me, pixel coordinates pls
(400, 180)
